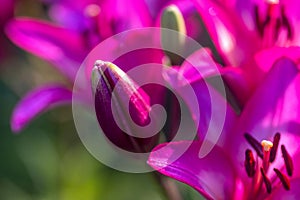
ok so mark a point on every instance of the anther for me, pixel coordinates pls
(266, 181)
(258, 22)
(277, 28)
(255, 144)
(249, 163)
(284, 179)
(273, 152)
(286, 24)
(287, 160)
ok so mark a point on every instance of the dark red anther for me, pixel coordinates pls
(266, 180)
(255, 144)
(258, 22)
(273, 152)
(287, 161)
(277, 28)
(249, 163)
(283, 178)
(286, 24)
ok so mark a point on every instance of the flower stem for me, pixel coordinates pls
(169, 188)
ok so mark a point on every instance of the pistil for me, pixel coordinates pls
(266, 145)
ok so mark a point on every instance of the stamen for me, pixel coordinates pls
(258, 22)
(287, 161)
(266, 181)
(275, 147)
(267, 145)
(284, 179)
(286, 24)
(255, 144)
(249, 163)
(277, 28)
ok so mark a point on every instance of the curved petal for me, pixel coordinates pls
(211, 112)
(266, 58)
(204, 66)
(61, 47)
(36, 102)
(213, 176)
(233, 40)
(274, 107)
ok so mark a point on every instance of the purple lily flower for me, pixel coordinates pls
(244, 31)
(246, 163)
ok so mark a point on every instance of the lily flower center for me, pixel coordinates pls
(257, 169)
(273, 25)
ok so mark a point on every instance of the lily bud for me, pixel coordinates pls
(120, 107)
(172, 19)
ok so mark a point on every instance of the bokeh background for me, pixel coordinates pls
(47, 159)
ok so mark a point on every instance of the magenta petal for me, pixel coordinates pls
(61, 47)
(213, 176)
(237, 81)
(266, 58)
(211, 112)
(274, 107)
(233, 40)
(234, 77)
(198, 65)
(36, 102)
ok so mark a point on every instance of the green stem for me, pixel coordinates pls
(168, 186)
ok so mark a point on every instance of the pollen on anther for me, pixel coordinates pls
(249, 163)
(267, 145)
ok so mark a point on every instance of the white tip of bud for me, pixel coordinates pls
(98, 70)
(267, 145)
